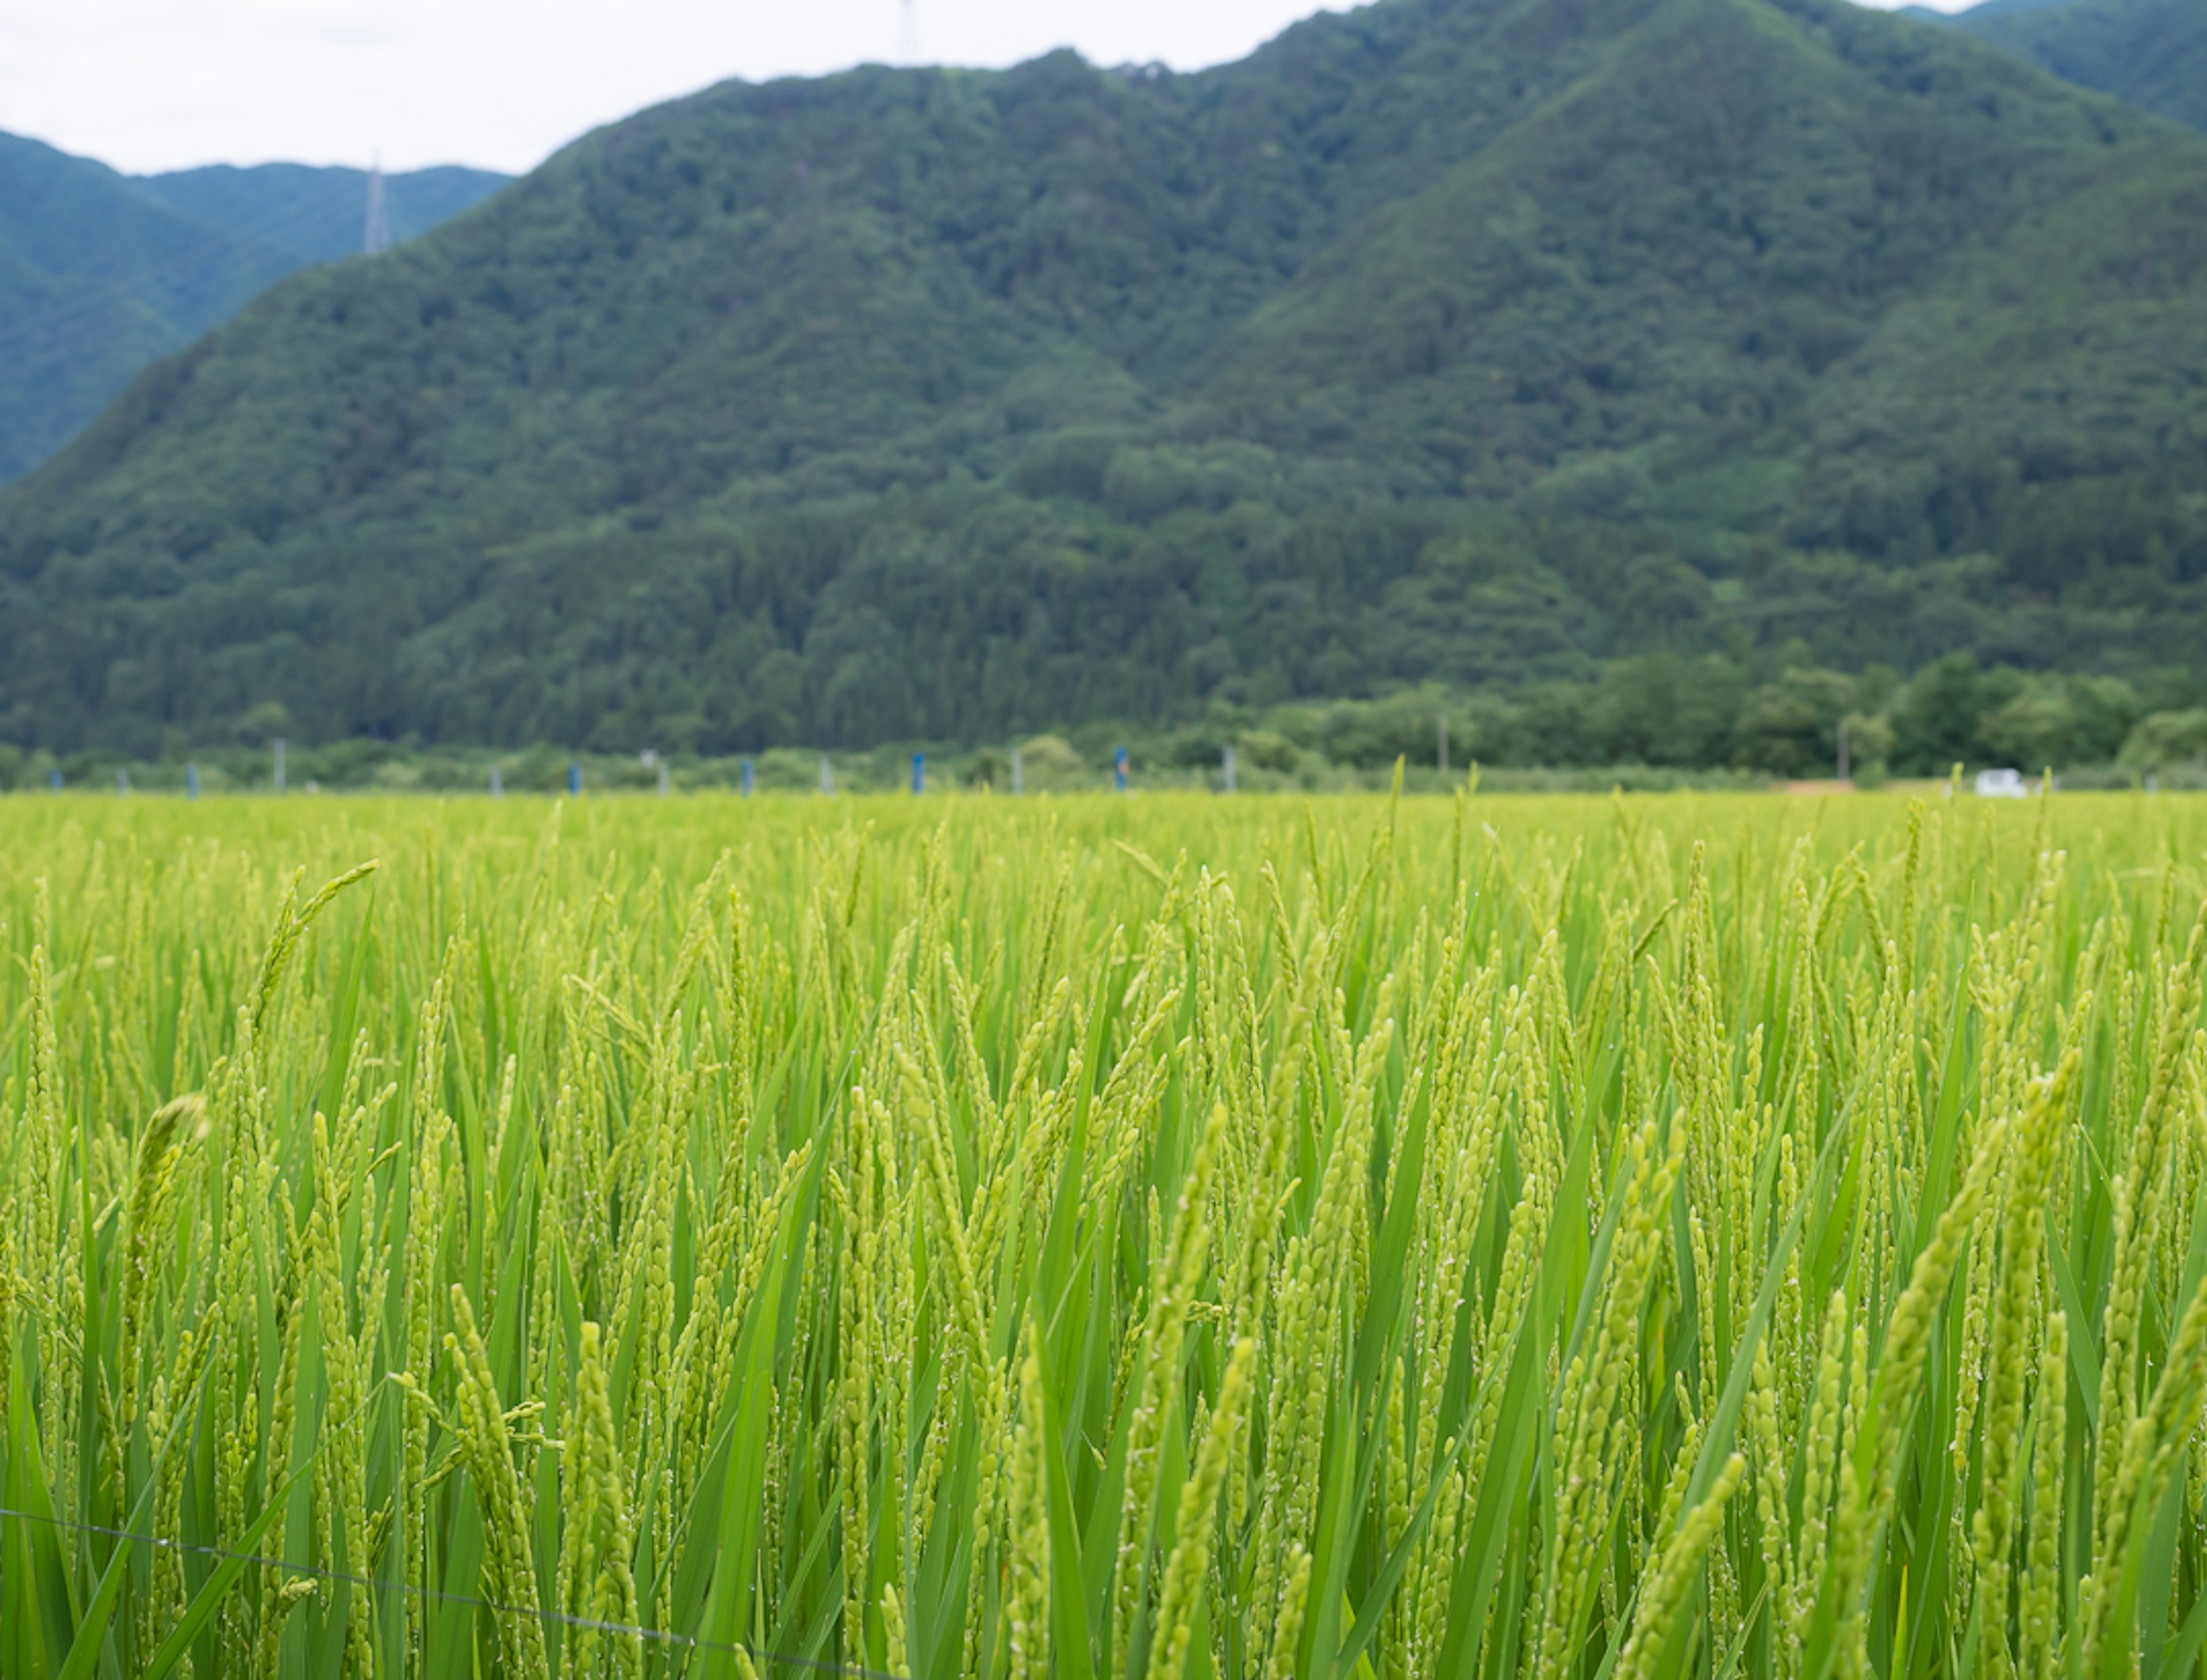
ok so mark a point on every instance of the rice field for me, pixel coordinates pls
(1169, 1237)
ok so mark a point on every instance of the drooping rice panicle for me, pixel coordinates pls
(1512, 1238)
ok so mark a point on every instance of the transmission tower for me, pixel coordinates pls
(375, 239)
(910, 41)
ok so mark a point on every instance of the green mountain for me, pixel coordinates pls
(317, 215)
(2151, 52)
(1478, 342)
(101, 273)
(96, 279)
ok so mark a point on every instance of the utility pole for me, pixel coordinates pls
(376, 237)
(280, 763)
(1443, 752)
(1843, 750)
(909, 41)
(1228, 768)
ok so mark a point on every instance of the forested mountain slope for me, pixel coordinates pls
(96, 280)
(1469, 340)
(101, 273)
(2151, 52)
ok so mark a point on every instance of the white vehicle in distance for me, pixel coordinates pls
(2002, 785)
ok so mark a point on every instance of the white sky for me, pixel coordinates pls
(149, 84)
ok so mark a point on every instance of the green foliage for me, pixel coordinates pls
(1870, 740)
(1792, 726)
(1935, 718)
(2072, 720)
(1649, 722)
(2168, 738)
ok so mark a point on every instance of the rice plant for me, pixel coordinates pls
(1169, 1238)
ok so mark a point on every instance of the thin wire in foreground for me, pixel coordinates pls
(584, 1624)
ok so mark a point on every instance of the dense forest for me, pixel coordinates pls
(1698, 364)
(102, 273)
(2151, 52)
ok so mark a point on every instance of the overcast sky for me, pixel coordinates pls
(149, 84)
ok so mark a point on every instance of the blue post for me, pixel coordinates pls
(191, 781)
(747, 778)
(574, 779)
(53, 781)
(919, 773)
(123, 782)
(1119, 769)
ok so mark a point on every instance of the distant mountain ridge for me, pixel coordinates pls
(2152, 53)
(315, 213)
(101, 272)
(1476, 342)
(1988, 8)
